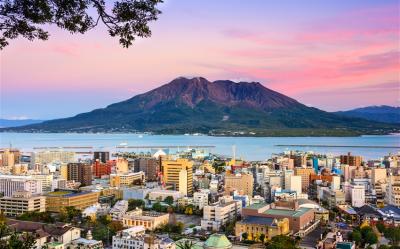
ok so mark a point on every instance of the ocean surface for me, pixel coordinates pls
(248, 148)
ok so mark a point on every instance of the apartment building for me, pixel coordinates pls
(178, 174)
(21, 202)
(393, 191)
(10, 183)
(242, 183)
(200, 199)
(305, 176)
(216, 215)
(150, 167)
(80, 172)
(127, 179)
(118, 210)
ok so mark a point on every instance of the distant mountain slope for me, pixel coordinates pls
(218, 108)
(15, 123)
(383, 113)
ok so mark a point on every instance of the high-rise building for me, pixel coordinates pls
(305, 176)
(43, 157)
(357, 195)
(9, 184)
(80, 172)
(179, 174)
(102, 156)
(378, 175)
(150, 167)
(294, 184)
(101, 169)
(392, 196)
(242, 183)
(122, 166)
(126, 179)
(351, 160)
(9, 157)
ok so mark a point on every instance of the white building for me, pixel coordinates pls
(335, 185)
(160, 195)
(393, 191)
(216, 215)
(357, 195)
(47, 181)
(293, 183)
(200, 199)
(135, 238)
(10, 183)
(119, 210)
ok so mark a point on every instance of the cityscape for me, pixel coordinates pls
(199, 124)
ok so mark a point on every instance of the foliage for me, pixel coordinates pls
(15, 239)
(171, 228)
(158, 207)
(393, 234)
(281, 242)
(363, 236)
(135, 203)
(262, 237)
(245, 236)
(169, 200)
(185, 244)
(105, 228)
(126, 19)
(37, 217)
(381, 227)
(70, 214)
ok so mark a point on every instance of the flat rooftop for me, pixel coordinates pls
(283, 212)
(256, 206)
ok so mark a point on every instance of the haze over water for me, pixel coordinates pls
(249, 148)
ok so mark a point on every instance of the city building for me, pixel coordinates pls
(101, 169)
(243, 183)
(148, 219)
(46, 181)
(200, 199)
(10, 183)
(294, 183)
(21, 202)
(122, 166)
(216, 215)
(127, 179)
(255, 226)
(351, 160)
(150, 167)
(392, 196)
(178, 174)
(80, 172)
(161, 194)
(118, 210)
(135, 238)
(357, 195)
(305, 176)
(300, 218)
(60, 156)
(57, 200)
(101, 156)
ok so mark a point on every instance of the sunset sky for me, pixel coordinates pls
(334, 55)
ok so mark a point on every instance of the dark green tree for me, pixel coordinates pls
(169, 200)
(245, 236)
(282, 242)
(185, 244)
(135, 203)
(380, 226)
(393, 234)
(15, 240)
(262, 237)
(125, 19)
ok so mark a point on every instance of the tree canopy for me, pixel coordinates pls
(125, 19)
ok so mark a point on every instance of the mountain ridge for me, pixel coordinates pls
(221, 107)
(381, 113)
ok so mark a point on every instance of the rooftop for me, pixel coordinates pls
(284, 212)
(257, 220)
(257, 205)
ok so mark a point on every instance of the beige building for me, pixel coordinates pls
(21, 202)
(255, 226)
(378, 175)
(179, 174)
(126, 179)
(122, 166)
(305, 176)
(392, 196)
(243, 183)
(56, 201)
(216, 215)
(43, 157)
(149, 220)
